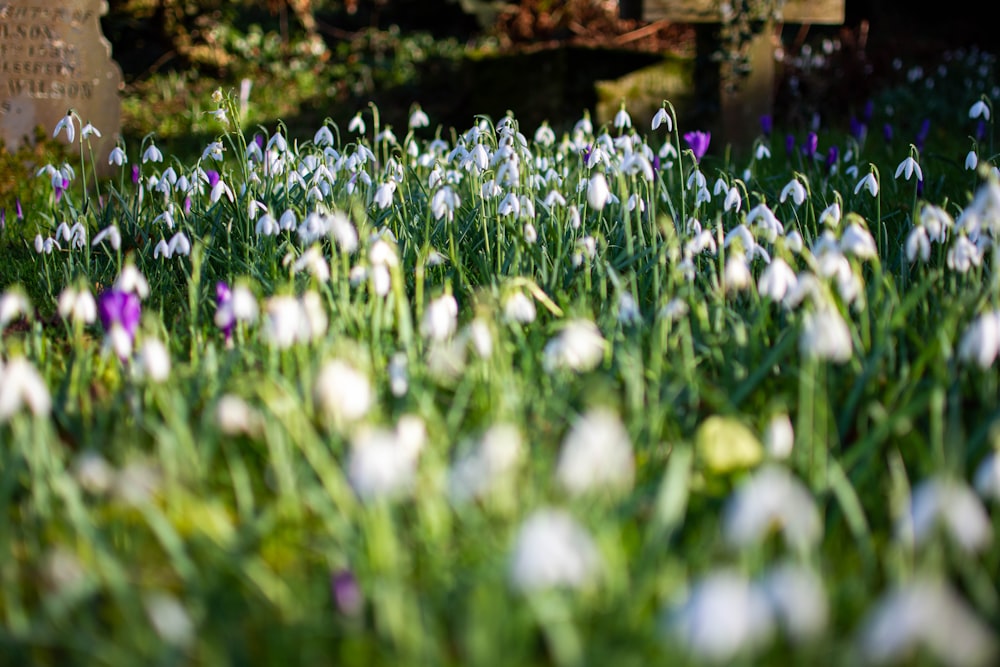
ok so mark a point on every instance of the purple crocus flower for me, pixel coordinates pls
(213, 177)
(656, 167)
(698, 142)
(869, 110)
(187, 204)
(831, 156)
(809, 147)
(858, 129)
(17, 208)
(789, 144)
(887, 132)
(766, 124)
(119, 312)
(925, 129)
(259, 140)
(61, 188)
(224, 310)
(3, 218)
(346, 593)
(980, 130)
(135, 173)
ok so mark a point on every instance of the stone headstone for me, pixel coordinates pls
(54, 59)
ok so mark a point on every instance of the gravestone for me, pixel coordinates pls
(53, 59)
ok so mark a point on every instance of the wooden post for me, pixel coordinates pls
(737, 102)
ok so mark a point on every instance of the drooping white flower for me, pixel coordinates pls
(234, 416)
(553, 550)
(153, 360)
(284, 322)
(170, 619)
(869, 182)
(971, 161)
(440, 318)
(519, 307)
(131, 280)
(980, 109)
(858, 241)
(579, 346)
(950, 504)
(908, 167)
(776, 280)
(831, 215)
(478, 471)
(112, 234)
(66, 123)
(798, 601)
(723, 615)
(418, 118)
(796, 190)
(152, 154)
(596, 453)
(779, 436)
(13, 304)
(21, 386)
(598, 192)
(825, 335)
(661, 117)
(736, 273)
(343, 394)
(918, 245)
(963, 254)
(382, 464)
(926, 614)
(772, 499)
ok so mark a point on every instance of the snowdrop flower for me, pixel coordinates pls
(963, 255)
(736, 274)
(987, 480)
(66, 123)
(762, 152)
(495, 456)
(552, 550)
(798, 601)
(323, 137)
(152, 154)
(342, 231)
(440, 318)
(234, 416)
(519, 307)
(980, 109)
(598, 192)
(13, 304)
(357, 124)
(179, 245)
(733, 200)
(544, 135)
(170, 619)
(662, 117)
(418, 118)
(779, 436)
(117, 156)
(21, 386)
(908, 167)
(284, 321)
(131, 280)
(723, 615)
(75, 305)
(831, 215)
(869, 182)
(951, 505)
(927, 614)
(112, 234)
(621, 121)
(825, 335)
(444, 202)
(794, 242)
(776, 280)
(220, 189)
(858, 241)
(93, 472)
(918, 245)
(153, 360)
(382, 464)
(578, 347)
(267, 226)
(674, 310)
(596, 454)
(796, 190)
(383, 195)
(161, 250)
(342, 393)
(971, 161)
(772, 499)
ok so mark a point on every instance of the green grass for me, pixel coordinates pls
(143, 526)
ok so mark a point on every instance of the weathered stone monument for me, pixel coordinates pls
(53, 59)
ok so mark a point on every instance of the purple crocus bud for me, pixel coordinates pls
(119, 312)
(980, 130)
(698, 142)
(135, 173)
(187, 204)
(925, 129)
(887, 132)
(259, 140)
(810, 145)
(869, 110)
(789, 144)
(832, 155)
(766, 124)
(858, 129)
(656, 167)
(17, 208)
(3, 218)
(346, 593)
(224, 317)
(213, 177)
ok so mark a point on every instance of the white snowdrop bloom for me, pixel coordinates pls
(234, 416)
(357, 124)
(696, 180)
(22, 387)
(179, 244)
(544, 135)
(419, 118)
(596, 454)
(907, 168)
(858, 241)
(93, 473)
(13, 305)
(869, 182)
(170, 619)
(288, 221)
(218, 190)
(936, 221)
(736, 274)
(381, 465)
(440, 318)
(323, 137)
(598, 192)
(772, 498)
(399, 382)
(628, 310)
(776, 280)
(519, 307)
(980, 109)
(284, 321)
(510, 205)
(798, 601)
(477, 472)
(444, 203)
(794, 242)
(313, 261)
(825, 335)
(674, 310)
(554, 198)
(574, 217)
(733, 200)
(384, 193)
(831, 215)
(724, 615)
(152, 154)
(779, 436)
(478, 334)
(918, 245)
(342, 232)
(553, 550)
(622, 119)
(579, 346)
(161, 250)
(971, 161)
(131, 280)
(110, 233)
(661, 117)
(267, 226)
(743, 234)
(926, 614)
(65, 123)
(762, 152)
(153, 360)
(952, 505)
(795, 190)
(117, 156)
(314, 316)
(342, 393)
(963, 254)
